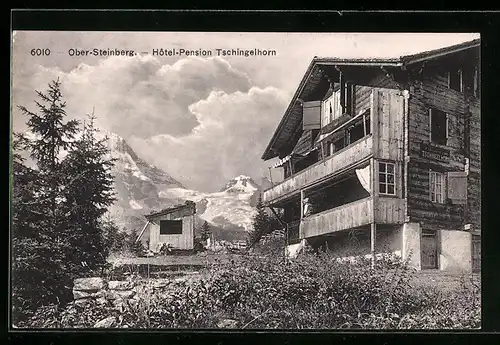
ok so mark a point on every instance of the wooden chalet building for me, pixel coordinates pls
(386, 152)
(173, 226)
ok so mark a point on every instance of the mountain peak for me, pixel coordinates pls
(240, 184)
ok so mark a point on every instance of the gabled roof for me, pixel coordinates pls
(187, 204)
(293, 115)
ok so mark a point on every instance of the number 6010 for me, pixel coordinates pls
(40, 52)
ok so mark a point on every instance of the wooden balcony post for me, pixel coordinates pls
(372, 242)
(301, 204)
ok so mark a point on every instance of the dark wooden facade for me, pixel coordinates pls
(398, 96)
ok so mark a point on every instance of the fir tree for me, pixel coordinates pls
(205, 231)
(57, 206)
(262, 224)
(88, 193)
(39, 246)
(51, 136)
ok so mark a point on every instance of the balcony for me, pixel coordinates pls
(338, 162)
(352, 215)
(388, 210)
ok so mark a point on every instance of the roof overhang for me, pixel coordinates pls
(293, 119)
(292, 116)
(188, 205)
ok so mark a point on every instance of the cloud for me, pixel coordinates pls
(139, 95)
(199, 119)
(233, 130)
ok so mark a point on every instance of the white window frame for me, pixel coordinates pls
(436, 194)
(447, 126)
(387, 174)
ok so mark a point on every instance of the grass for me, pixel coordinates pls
(257, 292)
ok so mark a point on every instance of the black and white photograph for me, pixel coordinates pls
(245, 180)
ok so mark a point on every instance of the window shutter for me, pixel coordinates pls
(311, 112)
(457, 187)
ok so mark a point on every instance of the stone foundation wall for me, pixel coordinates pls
(101, 291)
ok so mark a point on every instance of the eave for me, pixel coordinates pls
(401, 62)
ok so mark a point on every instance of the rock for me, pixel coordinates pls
(101, 301)
(105, 323)
(110, 295)
(82, 302)
(160, 283)
(227, 323)
(121, 285)
(88, 284)
(125, 294)
(81, 294)
(77, 294)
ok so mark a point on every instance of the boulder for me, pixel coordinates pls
(77, 294)
(88, 284)
(125, 294)
(106, 323)
(101, 301)
(119, 295)
(82, 302)
(227, 323)
(160, 283)
(120, 285)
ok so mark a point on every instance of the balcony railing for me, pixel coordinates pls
(332, 165)
(352, 215)
(388, 210)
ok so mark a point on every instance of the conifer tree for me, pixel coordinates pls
(88, 193)
(57, 206)
(262, 224)
(38, 226)
(205, 231)
(51, 136)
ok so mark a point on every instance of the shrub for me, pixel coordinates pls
(316, 291)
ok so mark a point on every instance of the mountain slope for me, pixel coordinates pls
(142, 188)
(136, 185)
(230, 208)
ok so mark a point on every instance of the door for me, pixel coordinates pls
(429, 252)
(476, 253)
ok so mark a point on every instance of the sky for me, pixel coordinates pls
(204, 120)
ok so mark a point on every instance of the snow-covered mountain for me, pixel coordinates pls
(137, 185)
(231, 208)
(240, 184)
(142, 188)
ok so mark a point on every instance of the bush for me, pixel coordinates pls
(316, 291)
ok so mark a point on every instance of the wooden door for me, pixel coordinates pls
(428, 248)
(476, 253)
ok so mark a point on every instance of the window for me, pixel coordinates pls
(455, 80)
(436, 186)
(170, 227)
(476, 81)
(468, 76)
(331, 148)
(439, 126)
(386, 178)
(339, 144)
(330, 108)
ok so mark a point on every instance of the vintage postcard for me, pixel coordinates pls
(232, 180)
